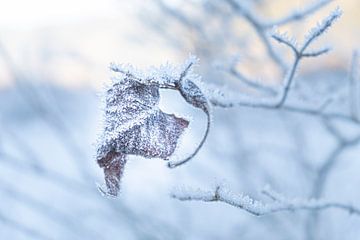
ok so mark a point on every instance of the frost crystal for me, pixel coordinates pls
(322, 26)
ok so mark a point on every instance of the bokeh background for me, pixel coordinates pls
(54, 58)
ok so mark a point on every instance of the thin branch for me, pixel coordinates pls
(181, 18)
(298, 15)
(311, 204)
(53, 119)
(230, 68)
(258, 208)
(51, 212)
(284, 39)
(317, 52)
(321, 28)
(354, 79)
(174, 164)
(343, 144)
(251, 83)
(27, 231)
(193, 95)
(333, 130)
(260, 29)
(221, 99)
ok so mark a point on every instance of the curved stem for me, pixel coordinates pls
(181, 162)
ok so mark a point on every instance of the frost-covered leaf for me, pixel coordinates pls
(113, 164)
(134, 125)
(193, 95)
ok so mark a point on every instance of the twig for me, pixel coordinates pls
(258, 208)
(220, 99)
(354, 79)
(298, 15)
(260, 28)
(29, 232)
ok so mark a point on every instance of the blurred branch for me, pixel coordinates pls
(28, 232)
(50, 117)
(298, 15)
(230, 67)
(50, 212)
(261, 29)
(354, 79)
(23, 147)
(181, 17)
(343, 145)
(48, 174)
(299, 143)
(323, 173)
(137, 223)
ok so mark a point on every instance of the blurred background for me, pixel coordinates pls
(54, 58)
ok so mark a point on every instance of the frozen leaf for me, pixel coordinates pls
(113, 164)
(134, 125)
(193, 95)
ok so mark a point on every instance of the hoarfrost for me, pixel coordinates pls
(134, 125)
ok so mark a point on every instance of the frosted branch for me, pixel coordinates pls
(279, 203)
(226, 98)
(310, 204)
(321, 28)
(262, 26)
(285, 39)
(222, 99)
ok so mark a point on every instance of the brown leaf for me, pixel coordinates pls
(134, 125)
(113, 164)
